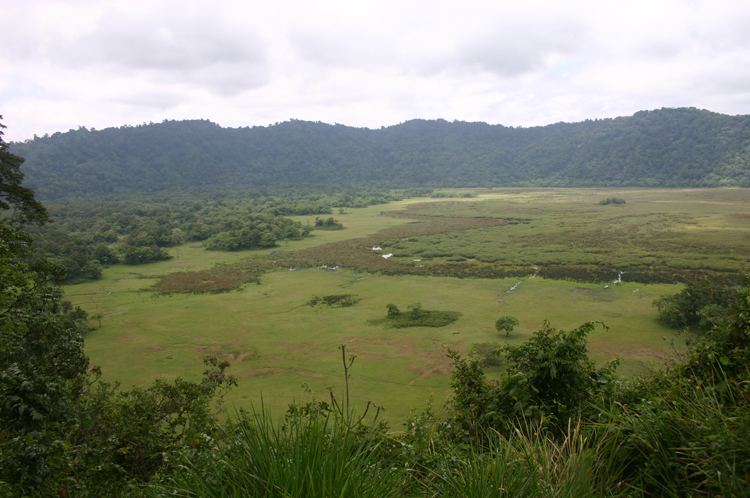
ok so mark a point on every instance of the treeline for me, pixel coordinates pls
(682, 147)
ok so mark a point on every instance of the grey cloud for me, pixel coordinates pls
(229, 79)
(513, 50)
(173, 43)
(340, 48)
(178, 48)
(660, 50)
(507, 48)
(158, 100)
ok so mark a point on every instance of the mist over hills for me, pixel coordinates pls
(684, 147)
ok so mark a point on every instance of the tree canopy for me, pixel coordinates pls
(506, 324)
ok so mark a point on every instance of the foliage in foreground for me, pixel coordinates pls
(548, 380)
(320, 456)
(680, 431)
(699, 305)
(110, 442)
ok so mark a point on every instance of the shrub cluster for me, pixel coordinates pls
(417, 317)
(335, 300)
(611, 200)
(328, 224)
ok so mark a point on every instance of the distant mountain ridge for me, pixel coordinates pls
(683, 147)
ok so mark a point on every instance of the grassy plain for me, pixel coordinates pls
(276, 342)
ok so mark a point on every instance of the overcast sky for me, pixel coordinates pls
(66, 63)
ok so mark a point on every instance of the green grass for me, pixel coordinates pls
(276, 342)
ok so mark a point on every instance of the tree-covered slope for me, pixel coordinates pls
(667, 147)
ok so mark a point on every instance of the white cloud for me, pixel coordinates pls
(366, 63)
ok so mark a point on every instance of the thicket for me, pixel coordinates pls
(416, 317)
(442, 194)
(89, 235)
(220, 278)
(328, 224)
(700, 305)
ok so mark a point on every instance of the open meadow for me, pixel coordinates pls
(277, 342)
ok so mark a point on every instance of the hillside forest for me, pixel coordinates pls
(682, 147)
(533, 409)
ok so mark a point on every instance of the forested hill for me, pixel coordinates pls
(683, 147)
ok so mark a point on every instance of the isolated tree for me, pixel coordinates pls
(98, 317)
(507, 324)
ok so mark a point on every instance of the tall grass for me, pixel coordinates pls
(685, 439)
(318, 457)
(528, 464)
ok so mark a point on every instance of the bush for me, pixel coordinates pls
(611, 200)
(701, 305)
(548, 379)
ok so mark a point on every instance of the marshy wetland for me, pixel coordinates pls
(448, 255)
